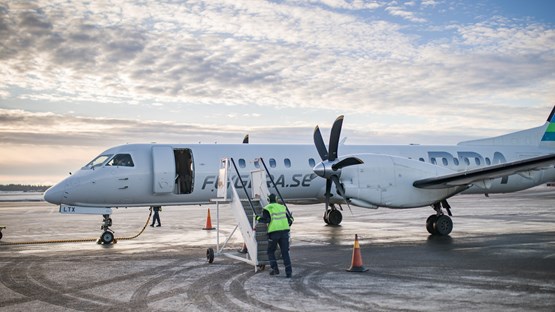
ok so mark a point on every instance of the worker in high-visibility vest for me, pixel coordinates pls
(279, 222)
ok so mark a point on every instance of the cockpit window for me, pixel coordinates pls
(98, 161)
(123, 160)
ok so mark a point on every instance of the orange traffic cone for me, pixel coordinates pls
(208, 225)
(356, 262)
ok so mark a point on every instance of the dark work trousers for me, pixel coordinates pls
(156, 217)
(281, 238)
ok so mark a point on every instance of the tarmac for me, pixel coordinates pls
(499, 257)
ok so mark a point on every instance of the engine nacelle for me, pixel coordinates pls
(387, 181)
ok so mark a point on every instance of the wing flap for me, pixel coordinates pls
(486, 173)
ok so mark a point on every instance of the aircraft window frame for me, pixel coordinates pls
(488, 161)
(273, 163)
(444, 161)
(433, 161)
(257, 164)
(98, 161)
(466, 161)
(477, 160)
(123, 160)
(242, 163)
(456, 161)
(287, 163)
(311, 162)
(421, 159)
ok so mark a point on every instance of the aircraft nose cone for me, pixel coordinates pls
(320, 170)
(54, 195)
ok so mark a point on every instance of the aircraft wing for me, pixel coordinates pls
(486, 173)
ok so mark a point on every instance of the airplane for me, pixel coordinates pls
(368, 176)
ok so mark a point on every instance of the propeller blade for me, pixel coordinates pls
(340, 189)
(349, 161)
(320, 145)
(334, 138)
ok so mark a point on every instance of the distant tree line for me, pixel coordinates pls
(23, 188)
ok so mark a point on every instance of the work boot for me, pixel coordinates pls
(274, 272)
(288, 275)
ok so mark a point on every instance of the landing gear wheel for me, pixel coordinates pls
(444, 225)
(430, 224)
(107, 237)
(210, 255)
(335, 217)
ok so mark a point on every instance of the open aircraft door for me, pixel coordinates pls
(163, 165)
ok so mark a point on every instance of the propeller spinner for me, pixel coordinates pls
(330, 166)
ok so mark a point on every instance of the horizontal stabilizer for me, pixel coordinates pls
(491, 172)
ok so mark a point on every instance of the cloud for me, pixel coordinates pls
(405, 14)
(295, 54)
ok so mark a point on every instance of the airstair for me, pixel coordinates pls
(245, 209)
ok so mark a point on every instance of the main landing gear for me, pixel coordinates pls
(439, 223)
(332, 215)
(107, 236)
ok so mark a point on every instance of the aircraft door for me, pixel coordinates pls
(163, 165)
(185, 174)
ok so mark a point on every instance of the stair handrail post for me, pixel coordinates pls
(274, 185)
(244, 187)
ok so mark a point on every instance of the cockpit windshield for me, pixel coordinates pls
(123, 160)
(98, 161)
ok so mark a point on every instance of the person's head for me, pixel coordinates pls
(272, 198)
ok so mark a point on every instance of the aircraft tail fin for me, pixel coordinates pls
(548, 138)
(543, 135)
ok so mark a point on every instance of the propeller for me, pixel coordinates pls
(330, 166)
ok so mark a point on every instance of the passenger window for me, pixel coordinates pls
(121, 160)
(257, 164)
(272, 163)
(466, 161)
(456, 161)
(287, 163)
(477, 160)
(242, 163)
(421, 159)
(444, 161)
(488, 161)
(433, 161)
(311, 162)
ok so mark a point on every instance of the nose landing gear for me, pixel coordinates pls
(107, 236)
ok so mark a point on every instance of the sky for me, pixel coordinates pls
(77, 77)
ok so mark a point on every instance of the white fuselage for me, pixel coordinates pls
(151, 181)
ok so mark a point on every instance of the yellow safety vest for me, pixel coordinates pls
(278, 216)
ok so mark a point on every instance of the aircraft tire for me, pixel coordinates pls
(107, 237)
(335, 217)
(444, 225)
(430, 224)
